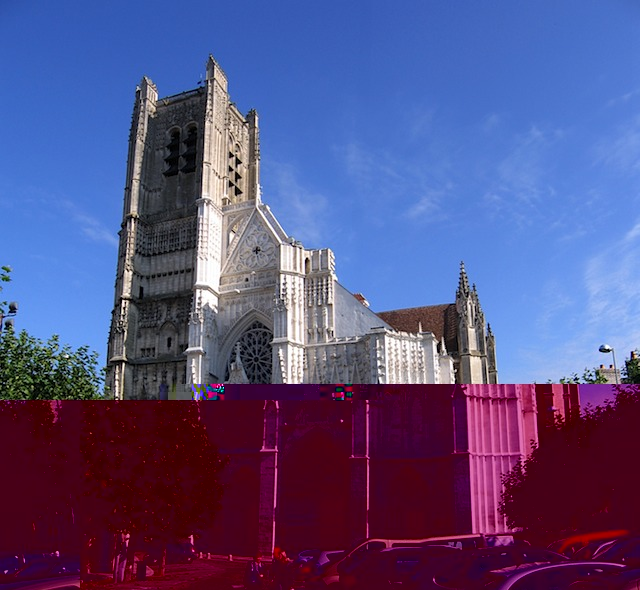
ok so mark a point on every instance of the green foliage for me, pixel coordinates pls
(589, 376)
(5, 277)
(580, 477)
(31, 369)
(631, 370)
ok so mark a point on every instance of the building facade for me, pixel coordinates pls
(395, 462)
(210, 288)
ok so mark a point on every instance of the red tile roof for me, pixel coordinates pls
(442, 320)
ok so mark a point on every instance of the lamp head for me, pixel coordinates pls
(605, 348)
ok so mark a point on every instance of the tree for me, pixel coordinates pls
(580, 479)
(150, 470)
(31, 369)
(631, 369)
(589, 376)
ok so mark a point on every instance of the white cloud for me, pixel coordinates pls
(624, 98)
(491, 122)
(397, 186)
(89, 226)
(612, 281)
(521, 187)
(302, 211)
(621, 151)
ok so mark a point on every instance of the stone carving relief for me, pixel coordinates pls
(167, 236)
(256, 251)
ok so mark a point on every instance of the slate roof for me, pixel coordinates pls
(442, 320)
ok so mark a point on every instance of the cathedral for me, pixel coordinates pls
(210, 288)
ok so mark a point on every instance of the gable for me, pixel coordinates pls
(256, 248)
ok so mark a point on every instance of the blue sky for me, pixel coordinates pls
(405, 135)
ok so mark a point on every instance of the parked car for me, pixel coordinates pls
(592, 549)
(44, 568)
(571, 545)
(620, 579)
(624, 551)
(331, 575)
(313, 567)
(470, 569)
(393, 567)
(64, 583)
(557, 576)
(10, 563)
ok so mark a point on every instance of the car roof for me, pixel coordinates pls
(46, 584)
(529, 568)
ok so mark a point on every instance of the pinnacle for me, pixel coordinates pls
(463, 282)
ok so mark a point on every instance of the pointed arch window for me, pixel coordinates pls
(172, 158)
(189, 155)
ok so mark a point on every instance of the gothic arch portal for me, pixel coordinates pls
(251, 338)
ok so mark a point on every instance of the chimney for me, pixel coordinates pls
(360, 297)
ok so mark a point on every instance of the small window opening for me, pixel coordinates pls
(168, 342)
(173, 157)
(141, 293)
(190, 151)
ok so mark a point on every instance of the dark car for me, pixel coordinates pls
(624, 551)
(65, 583)
(10, 563)
(311, 566)
(393, 567)
(45, 568)
(566, 575)
(470, 570)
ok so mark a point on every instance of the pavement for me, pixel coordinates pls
(213, 573)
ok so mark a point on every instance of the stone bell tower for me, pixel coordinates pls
(190, 155)
(476, 357)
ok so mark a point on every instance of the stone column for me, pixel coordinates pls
(268, 479)
(359, 467)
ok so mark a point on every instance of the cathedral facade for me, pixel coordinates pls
(210, 288)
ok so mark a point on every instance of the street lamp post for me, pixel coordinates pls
(13, 310)
(606, 348)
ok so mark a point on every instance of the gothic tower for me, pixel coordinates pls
(190, 155)
(210, 288)
(475, 359)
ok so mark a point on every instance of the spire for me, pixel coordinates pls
(463, 282)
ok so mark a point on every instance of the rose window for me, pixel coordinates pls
(255, 354)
